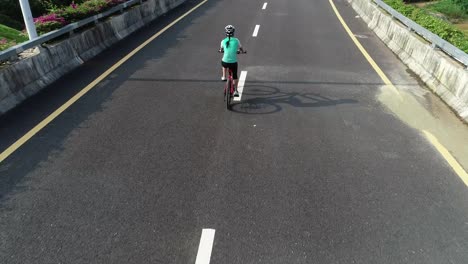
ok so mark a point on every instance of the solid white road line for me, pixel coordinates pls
(264, 5)
(205, 247)
(240, 85)
(255, 33)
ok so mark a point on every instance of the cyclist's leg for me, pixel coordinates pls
(224, 69)
(234, 77)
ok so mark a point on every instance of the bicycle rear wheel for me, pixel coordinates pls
(228, 94)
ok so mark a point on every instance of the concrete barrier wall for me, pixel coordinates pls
(28, 76)
(442, 74)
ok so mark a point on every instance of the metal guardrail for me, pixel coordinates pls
(12, 53)
(436, 41)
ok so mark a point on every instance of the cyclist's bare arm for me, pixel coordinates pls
(241, 48)
(221, 49)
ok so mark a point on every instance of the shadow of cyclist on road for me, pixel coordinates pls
(263, 99)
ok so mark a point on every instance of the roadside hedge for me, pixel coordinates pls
(59, 17)
(76, 12)
(12, 9)
(436, 25)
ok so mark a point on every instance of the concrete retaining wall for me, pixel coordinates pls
(26, 77)
(442, 74)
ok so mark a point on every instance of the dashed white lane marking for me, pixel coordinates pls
(240, 85)
(264, 6)
(255, 33)
(205, 247)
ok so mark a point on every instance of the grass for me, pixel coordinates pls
(433, 22)
(11, 34)
(453, 11)
(10, 37)
(463, 27)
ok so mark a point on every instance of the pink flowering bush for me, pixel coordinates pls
(50, 22)
(50, 18)
(76, 12)
(72, 13)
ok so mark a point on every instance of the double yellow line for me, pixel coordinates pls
(5, 154)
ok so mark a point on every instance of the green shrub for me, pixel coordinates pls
(463, 4)
(78, 12)
(436, 25)
(460, 42)
(96, 5)
(58, 15)
(71, 14)
(48, 26)
(12, 9)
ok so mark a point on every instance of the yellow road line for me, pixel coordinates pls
(432, 139)
(6, 153)
(446, 154)
(371, 61)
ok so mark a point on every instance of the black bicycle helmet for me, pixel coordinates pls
(229, 29)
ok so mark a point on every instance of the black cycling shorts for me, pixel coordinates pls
(232, 66)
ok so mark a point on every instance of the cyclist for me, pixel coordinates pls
(230, 46)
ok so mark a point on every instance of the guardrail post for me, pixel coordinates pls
(42, 48)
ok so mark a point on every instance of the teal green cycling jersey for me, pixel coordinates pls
(230, 51)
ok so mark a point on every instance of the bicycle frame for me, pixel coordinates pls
(229, 89)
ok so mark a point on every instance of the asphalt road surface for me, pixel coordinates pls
(315, 164)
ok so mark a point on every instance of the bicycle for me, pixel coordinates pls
(230, 84)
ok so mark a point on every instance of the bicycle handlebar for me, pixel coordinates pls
(238, 52)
